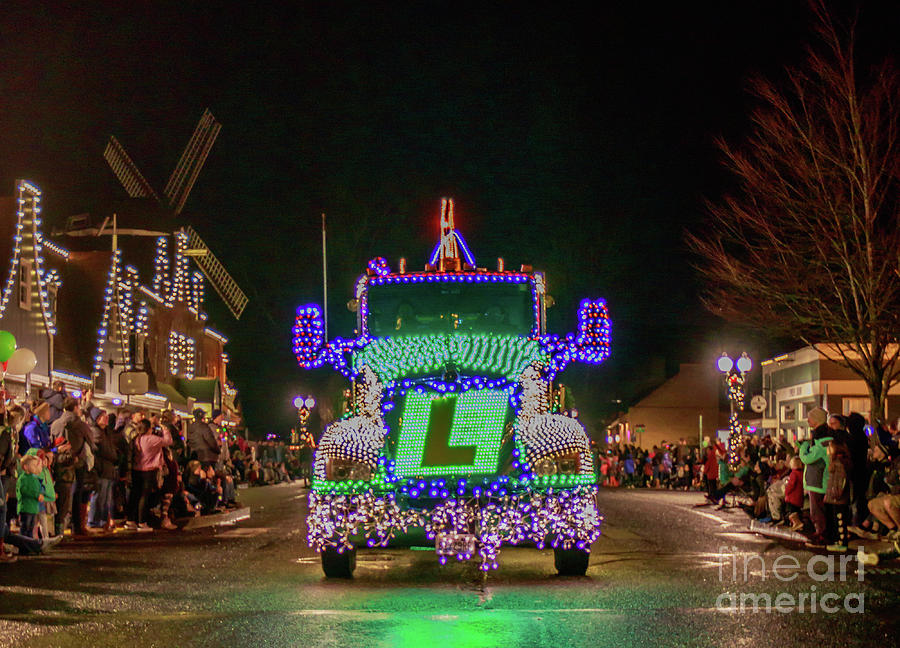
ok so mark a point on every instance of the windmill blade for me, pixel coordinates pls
(126, 171)
(217, 275)
(185, 174)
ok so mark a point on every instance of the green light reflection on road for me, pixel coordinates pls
(467, 630)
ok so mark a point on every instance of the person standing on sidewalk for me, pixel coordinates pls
(202, 438)
(815, 476)
(146, 472)
(83, 451)
(106, 464)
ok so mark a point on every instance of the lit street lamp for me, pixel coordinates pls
(735, 374)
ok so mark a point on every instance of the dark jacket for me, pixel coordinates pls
(78, 434)
(202, 441)
(55, 400)
(8, 458)
(106, 458)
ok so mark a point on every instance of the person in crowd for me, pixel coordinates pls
(202, 438)
(858, 445)
(106, 465)
(628, 467)
(171, 483)
(79, 446)
(47, 509)
(815, 477)
(837, 495)
(202, 493)
(885, 501)
(171, 421)
(30, 494)
(36, 432)
(55, 398)
(711, 466)
(132, 427)
(10, 422)
(146, 472)
(19, 542)
(739, 480)
(793, 494)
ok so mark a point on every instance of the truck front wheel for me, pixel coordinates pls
(338, 565)
(570, 562)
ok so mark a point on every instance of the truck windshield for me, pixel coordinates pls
(444, 307)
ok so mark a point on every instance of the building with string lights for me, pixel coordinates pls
(93, 304)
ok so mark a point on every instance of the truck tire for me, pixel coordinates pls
(570, 562)
(338, 565)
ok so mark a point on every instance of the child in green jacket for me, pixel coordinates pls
(48, 506)
(29, 491)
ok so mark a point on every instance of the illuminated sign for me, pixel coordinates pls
(451, 435)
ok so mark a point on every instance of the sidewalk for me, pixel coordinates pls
(875, 551)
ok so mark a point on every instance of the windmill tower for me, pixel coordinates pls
(174, 195)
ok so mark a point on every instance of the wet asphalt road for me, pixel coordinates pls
(654, 579)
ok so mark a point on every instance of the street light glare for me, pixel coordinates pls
(725, 364)
(744, 363)
(310, 402)
(299, 401)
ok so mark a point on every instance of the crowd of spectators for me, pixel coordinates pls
(843, 481)
(68, 467)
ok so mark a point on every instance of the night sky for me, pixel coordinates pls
(578, 141)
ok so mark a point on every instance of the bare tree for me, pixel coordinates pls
(808, 243)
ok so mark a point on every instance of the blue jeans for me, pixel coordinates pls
(27, 522)
(101, 503)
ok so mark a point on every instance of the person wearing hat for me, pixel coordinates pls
(202, 439)
(815, 475)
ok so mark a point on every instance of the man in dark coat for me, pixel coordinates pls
(203, 441)
(106, 465)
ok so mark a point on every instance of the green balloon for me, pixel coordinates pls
(7, 345)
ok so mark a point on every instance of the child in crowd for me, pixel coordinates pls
(29, 492)
(837, 495)
(48, 506)
(793, 494)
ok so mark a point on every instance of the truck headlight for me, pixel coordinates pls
(568, 464)
(545, 466)
(347, 470)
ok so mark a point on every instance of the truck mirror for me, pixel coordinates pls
(134, 383)
(309, 336)
(591, 342)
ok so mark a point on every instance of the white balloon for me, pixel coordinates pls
(21, 362)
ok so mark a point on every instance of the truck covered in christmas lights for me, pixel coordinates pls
(454, 431)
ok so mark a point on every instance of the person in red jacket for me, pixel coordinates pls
(793, 494)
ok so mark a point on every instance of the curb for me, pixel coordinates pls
(228, 517)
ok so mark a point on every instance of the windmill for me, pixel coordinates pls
(173, 198)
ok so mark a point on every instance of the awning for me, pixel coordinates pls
(205, 392)
(172, 395)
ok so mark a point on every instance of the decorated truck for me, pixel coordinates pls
(454, 434)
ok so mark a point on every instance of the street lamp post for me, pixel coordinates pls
(735, 375)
